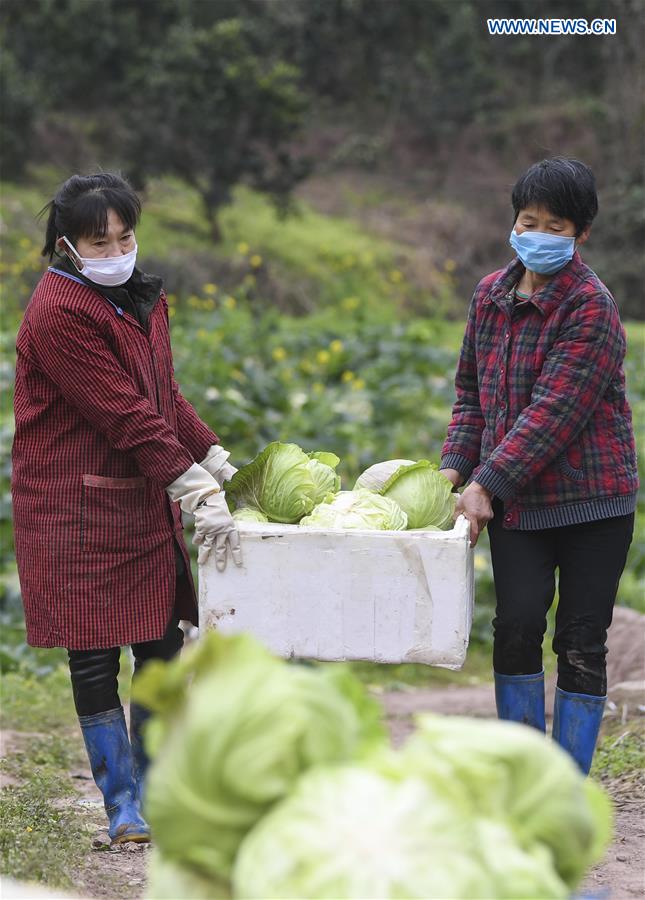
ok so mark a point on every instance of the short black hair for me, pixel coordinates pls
(80, 208)
(566, 187)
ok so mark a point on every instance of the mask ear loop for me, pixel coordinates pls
(65, 246)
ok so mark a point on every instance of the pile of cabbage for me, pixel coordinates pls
(271, 779)
(285, 484)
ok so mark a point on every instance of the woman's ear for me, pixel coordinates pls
(582, 238)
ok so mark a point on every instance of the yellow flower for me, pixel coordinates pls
(323, 357)
(237, 375)
(230, 302)
(250, 280)
(171, 312)
(25, 243)
(172, 299)
(210, 288)
(193, 302)
(256, 261)
(286, 374)
(243, 248)
(480, 563)
(209, 304)
(358, 385)
(29, 828)
(318, 387)
(202, 333)
(279, 353)
(336, 346)
(396, 277)
(347, 376)
(351, 303)
(306, 366)
(450, 265)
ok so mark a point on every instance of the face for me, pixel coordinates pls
(539, 218)
(118, 239)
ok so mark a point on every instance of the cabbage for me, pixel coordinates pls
(419, 489)
(234, 739)
(347, 832)
(167, 880)
(322, 467)
(358, 509)
(350, 833)
(278, 482)
(514, 775)
(248, 514)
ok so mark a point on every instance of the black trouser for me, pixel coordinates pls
(94, 672)
(590, 558)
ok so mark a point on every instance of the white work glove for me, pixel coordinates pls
(197, 492)
(216, 463)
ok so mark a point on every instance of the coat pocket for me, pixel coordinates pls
(113, 513)
(570, 463)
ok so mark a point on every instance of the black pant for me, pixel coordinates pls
(94, 673)
(590, 558)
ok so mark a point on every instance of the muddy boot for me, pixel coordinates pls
(520, 698)
(576, 723)
(139, 715)
(110, 755)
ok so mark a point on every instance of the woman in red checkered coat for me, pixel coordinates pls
(542, 430)
(106, 454)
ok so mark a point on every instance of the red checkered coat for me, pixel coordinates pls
(101, 429)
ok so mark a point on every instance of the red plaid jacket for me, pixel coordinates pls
(101, 429)
(541, 417)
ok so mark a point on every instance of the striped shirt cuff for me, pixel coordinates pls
(456, 461)
(495, 482)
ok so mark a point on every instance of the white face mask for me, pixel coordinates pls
(109, 271)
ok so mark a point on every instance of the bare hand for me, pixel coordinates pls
(475, 504)
(453, 476)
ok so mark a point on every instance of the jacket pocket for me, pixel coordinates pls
(570, 463)
(114, 513)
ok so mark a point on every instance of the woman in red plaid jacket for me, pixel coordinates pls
(105, 457)
(542, 431)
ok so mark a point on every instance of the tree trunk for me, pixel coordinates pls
(212, 219)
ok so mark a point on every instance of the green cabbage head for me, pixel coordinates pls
(235, 738)
(248, 514)
(510, 774)
(278, 483)
(348, 832)
(322, 468)
(421, 491)
(358, 509)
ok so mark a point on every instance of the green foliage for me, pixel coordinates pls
(239, 109)
(37, 838)
(37, 701)
(620, 755)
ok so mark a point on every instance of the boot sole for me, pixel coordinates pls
(142, 838)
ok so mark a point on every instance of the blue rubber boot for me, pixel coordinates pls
(110, 755)
(139, 715)
(576, 723)
(520, 698)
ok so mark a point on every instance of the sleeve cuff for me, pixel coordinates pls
(459, 462)
(495, 482)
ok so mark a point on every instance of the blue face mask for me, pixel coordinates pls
(542, 253)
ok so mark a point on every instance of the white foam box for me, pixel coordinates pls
(385, 596)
